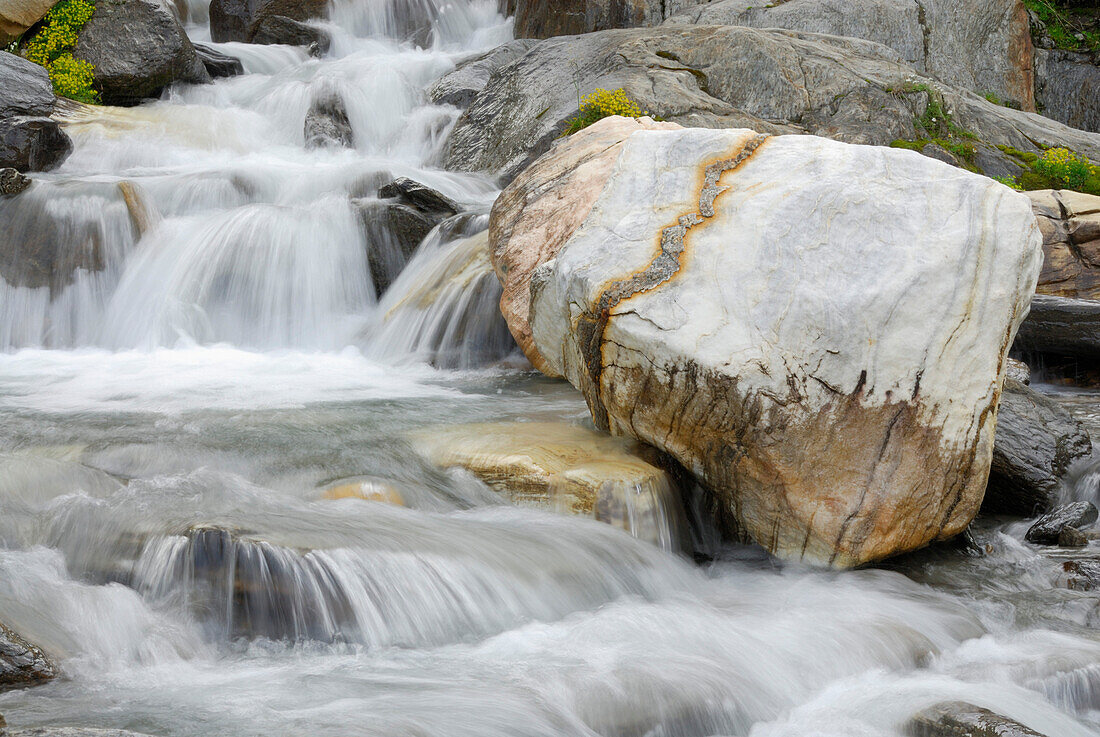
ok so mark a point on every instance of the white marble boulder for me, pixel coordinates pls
(817, 330)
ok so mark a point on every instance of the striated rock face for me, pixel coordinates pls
(534, 217)
(1035, 444)
(1070, 223)
(546, 18)
(1067, 85)
(21, 663)
(460, 87)
(817, 331)
(567, 468)
(978, 45)
(773, 81)
(138, 48)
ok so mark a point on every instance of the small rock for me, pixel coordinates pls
(33, 144)
(1084, 574)
(278, 29)
(1072, 538)
(218, 64)
(327, 123)
(1048, 528)
(959, 719)
(12, 182)
(419, 196)
(21, 663)
(1018, 371)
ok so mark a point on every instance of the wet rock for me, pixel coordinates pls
(25, 88)
(396, 225)
(1070, 537)
(12, 182)
(138, 48)
(979, 45)
(17, 16)
(533, 217)
(278, 29)
(1067, 86)
(242, 20)
(1018, 371)
(33, 144)
(752, 381)
(21, 663)
(546, 18)
(1047, 528)
(367, 489)
(1062, 327)
(1035, 443)
(959, 719)
(218, 64)
(420, 197)
(1070, 223)
(1084, 575)
(565, 468)
(723, 77)
(460, 87)
(29, 139)
(327, 123)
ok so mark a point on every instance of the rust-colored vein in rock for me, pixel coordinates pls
(661, 269)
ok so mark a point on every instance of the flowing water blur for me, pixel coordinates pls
(176, 407)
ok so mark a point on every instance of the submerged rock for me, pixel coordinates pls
(1035, 444)
(568, 469)
(1049, 527)
(138, 48)
(786, 387)
(72, 732)
(367, 489)
(423, 198)
(21, 663)
(1070, 223)
(959, 719)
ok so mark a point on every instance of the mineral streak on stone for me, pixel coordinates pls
(821, 339)
(663, 267)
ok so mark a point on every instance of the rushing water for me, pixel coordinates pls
(172, 413)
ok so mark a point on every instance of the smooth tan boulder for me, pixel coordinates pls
(548, 201)
(367, 489)
(1070, 224)
(16, 16)
(817, 330)
(567, 469)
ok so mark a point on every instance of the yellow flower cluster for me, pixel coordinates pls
(1065, 169)
(52, 48)
(603, 104)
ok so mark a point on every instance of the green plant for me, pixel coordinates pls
(1062, 27)
(603, 104)
(52, 47)
(1064, 168)
(1009, 182)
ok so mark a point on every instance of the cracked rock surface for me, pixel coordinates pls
(817, 331)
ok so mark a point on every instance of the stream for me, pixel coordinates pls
(169, 424)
